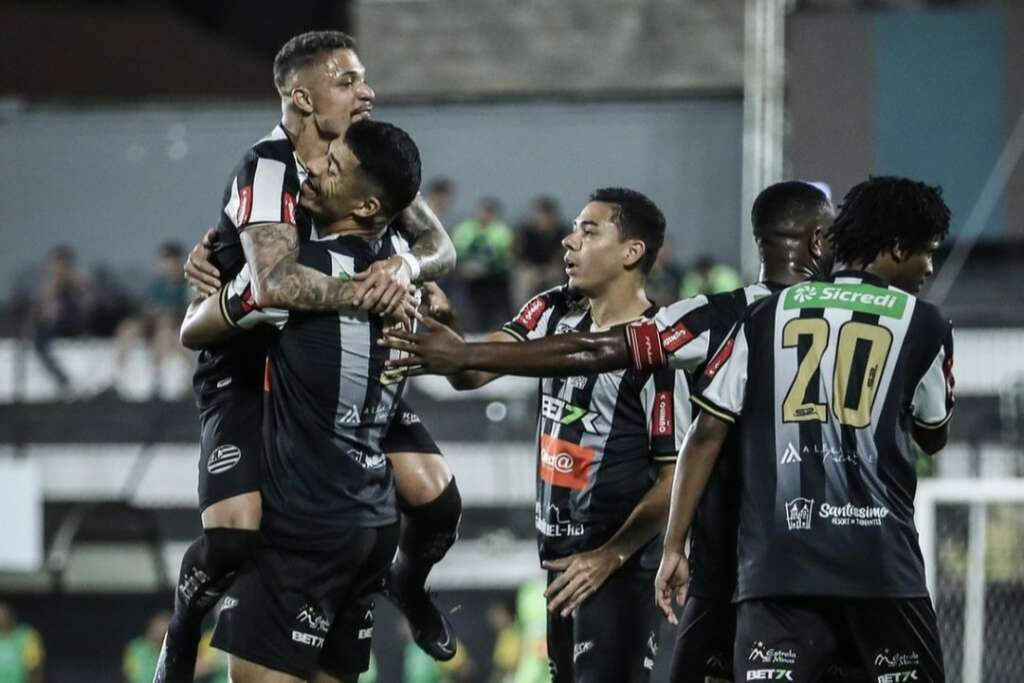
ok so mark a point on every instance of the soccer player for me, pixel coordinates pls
(606, 451)
(323, 90)
(788, 221)
(848, 373)
(329, 515)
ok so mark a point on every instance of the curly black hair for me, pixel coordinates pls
(884, 212)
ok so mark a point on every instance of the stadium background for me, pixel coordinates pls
(119, 122)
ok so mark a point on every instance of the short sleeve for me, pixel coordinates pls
(534, 317)
(721, 388)
(933, 397)
(262, 191)
(666, 400)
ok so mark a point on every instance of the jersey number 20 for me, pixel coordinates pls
(861, 352)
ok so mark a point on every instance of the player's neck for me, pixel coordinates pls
(786, 265)
(306, 138)
(874, 268)
(621, 301)
(349, 227)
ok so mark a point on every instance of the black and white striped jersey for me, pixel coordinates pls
(264, 188)
(689, 331)
(600, 437)
(328, 403)
(828, 378)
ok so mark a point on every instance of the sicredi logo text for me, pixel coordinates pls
(855, 297)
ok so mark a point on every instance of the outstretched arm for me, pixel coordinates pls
(696, 462)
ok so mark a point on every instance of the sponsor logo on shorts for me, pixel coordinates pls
(648, 663)
(581, 649)
(853, 515)
(798, 514)
(310, 616)
(409, 418)
(223, 458)
(224, 382)
(899, 677)
(892, 660)
(229, 602)
(769, 675)
(307, 639)
(770, 655)
(652, 644)
(717, 664)
(365, 633)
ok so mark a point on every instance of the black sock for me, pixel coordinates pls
(207, 570)
(429, 531)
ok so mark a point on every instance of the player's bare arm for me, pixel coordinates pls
(696, 462)
(439, 351)
(585, 573)
(202, 275)
(205, 323)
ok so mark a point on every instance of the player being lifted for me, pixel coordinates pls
(323, 90)
(606, 451)
(329, 517)
(858, 370)
(788, 220)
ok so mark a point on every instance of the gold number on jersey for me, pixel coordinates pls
(880, 340)
(795, 408)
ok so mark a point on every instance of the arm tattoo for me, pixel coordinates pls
(279, 280)
(430, 243)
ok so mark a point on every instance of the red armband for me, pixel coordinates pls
(644, 344)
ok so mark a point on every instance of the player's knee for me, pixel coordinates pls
(223, 551)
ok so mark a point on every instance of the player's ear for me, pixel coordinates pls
(369, 207)
(817, 243)
(302, 99)
(899, 253)
(635, 250)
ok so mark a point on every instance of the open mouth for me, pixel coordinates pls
(361, 113)
(570, 266)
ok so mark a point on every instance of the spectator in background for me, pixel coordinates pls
(538, 250)
(507, 642)
(708, 277)
(62, 310)
(21, 650)
(666, 278)
(484, 247)
(141, 654)
(158, 320)
(439, 193)
(532, 615)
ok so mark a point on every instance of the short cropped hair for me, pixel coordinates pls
(787, 205)
(637, 218)
(390, 158)
(884, 212)
(306, 48)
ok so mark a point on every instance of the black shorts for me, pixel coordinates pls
(297, 611)
(613, 636)
(798, 639)
(704, 640)
(406, 434)
(230, 446)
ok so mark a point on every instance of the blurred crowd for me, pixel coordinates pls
(499, 268)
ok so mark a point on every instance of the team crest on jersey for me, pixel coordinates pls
(798, 514)
(223, 458)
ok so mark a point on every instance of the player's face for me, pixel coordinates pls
(334, 186)
(912, 270)
(339, 92)
(595, 252)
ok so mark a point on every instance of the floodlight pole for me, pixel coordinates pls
(764, 90)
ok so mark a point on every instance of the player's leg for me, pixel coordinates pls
(560, 644)
(791, 640)
(243, 671)
(229, 473)
(432, 507)
(897, 640)
(704, 640)
(615, 631)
